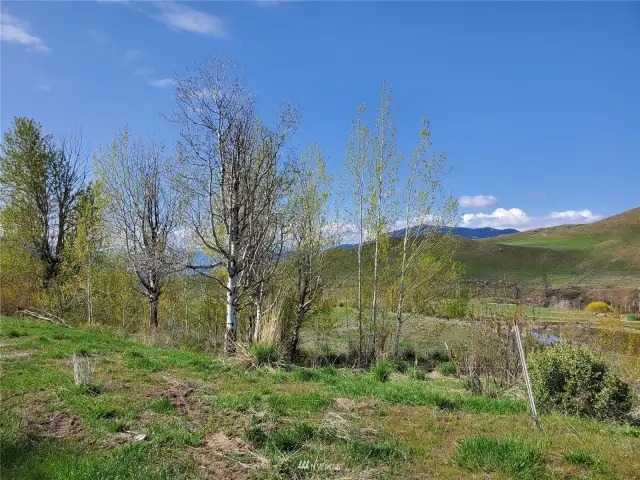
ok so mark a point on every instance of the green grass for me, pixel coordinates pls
(371, 454)
(447, 369)
(588, 461)
(179, 399)
(163, 405)
(517, 459)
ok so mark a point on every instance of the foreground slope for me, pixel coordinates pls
(161, 413)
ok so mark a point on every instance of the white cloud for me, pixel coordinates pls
(13, 30)
(478, 201)
(182, 18)
(573, 216)
(162, 82)
(518, 219)
(43, 88)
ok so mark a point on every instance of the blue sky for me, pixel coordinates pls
(537, 104)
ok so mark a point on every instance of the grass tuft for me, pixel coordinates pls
(371, 454)
(382, 370)
(516, 459)
(447, 369)
(163, 405)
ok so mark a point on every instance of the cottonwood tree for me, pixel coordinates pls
(354, 194)
(310, 237)
(261, 273)
(233, 178)
(88, 241)
(382, 170)
(41, 181)
(426, 264)
(143, 206)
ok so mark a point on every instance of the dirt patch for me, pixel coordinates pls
(184, 396)
(348, 405)
(227, 457)
(58, 425)
(17, 354)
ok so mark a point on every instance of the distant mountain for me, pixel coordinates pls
(471, 233)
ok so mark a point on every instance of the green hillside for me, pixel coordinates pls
(607, 249)
(604, 252)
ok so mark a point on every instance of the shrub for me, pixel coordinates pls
(598, 307)
(382, 370)
(263, 354)
(454, 308)
(573, 380)
(518, 459)
(448, 369)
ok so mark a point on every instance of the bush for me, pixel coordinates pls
(454, 309)
(382, 370)
(598, 307)
(263, 354)
(448, 369)
(573, 380)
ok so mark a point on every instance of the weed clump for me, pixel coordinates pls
(263, 354)
(382, 370)
(447, 369)
(573, 380)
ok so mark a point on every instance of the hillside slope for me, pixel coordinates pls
(602, 253)
(609, 246)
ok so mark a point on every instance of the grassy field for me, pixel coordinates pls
(158, 413)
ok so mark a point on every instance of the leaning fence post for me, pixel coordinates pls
(523, 362)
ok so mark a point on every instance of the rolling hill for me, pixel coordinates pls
(603, 253)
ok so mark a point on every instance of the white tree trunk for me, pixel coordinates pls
(232, 301)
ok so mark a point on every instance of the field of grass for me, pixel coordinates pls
(159, 413)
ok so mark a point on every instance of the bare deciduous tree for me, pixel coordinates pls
(233, 176)
(144, 211)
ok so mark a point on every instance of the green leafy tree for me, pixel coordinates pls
(41, 182)
(354, 194)
(310, 236)
(427, 254)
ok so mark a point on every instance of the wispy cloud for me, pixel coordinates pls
(537, 195)
(477, 201)
(43, 88)
(517, 218)
(13, 30)
(143, 72)
(162, 82)
(132, 55)
(98, 37)
(183, 18)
